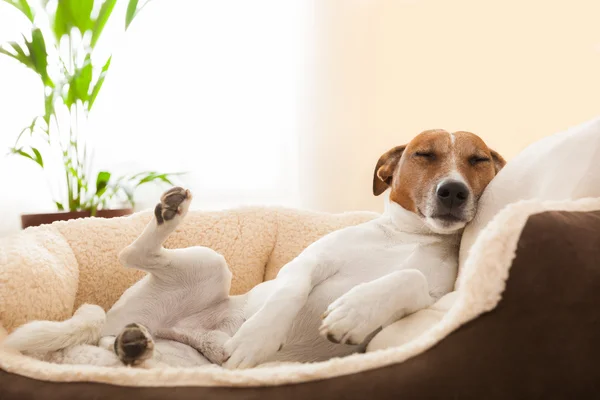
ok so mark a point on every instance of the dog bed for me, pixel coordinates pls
(540, 339)
(523, 322)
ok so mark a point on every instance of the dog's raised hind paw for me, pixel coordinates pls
(174, 202)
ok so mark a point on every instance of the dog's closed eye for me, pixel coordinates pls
(428, 155)
(474, 160)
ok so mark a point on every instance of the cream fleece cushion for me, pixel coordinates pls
(48, 272)
(38, 277)
(484, 277)
(565, 166)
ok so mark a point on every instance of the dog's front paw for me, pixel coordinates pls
(213, 347)
(353, 317)
(253, 344)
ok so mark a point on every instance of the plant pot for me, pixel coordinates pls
(28, 220)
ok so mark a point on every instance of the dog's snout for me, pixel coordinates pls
(452, 194)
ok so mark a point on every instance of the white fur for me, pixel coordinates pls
(369, 275)
(48, 336)
(485, 276)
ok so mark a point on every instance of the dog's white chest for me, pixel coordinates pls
(371, 250)
(361, 254)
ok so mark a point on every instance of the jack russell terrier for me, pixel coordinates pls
(327, 302)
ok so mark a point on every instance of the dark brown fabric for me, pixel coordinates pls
(541, 342)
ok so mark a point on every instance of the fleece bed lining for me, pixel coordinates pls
(482, 282)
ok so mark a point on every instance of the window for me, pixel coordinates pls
(211, 88)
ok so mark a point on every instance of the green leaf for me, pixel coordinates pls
(131, 12)
(22, 6)
(48, 107)
(154, 176)
(39, 56)
(31, 126)
(38, 157)
(138, 175)
(98, 84)
(79, 83)
(59, 206)
(81, 10)
(103, 16)
(29, 129)
(148, 178)
(72, 14)
(102, 182)
(61, 19)
(18, 55)
(36, 57)
(72, 170)
(163, 177)
(21, 153)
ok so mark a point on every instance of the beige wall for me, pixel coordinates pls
(512, 71)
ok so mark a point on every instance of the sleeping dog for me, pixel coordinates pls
(327, 302)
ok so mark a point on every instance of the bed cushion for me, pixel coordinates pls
(564, 166)
(540, 341)
(47, 272)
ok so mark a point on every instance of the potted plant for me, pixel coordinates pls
(60, 49)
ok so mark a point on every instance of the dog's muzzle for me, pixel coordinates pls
(451, 198)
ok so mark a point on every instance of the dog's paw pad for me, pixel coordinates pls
(134, 345)
(173, 202)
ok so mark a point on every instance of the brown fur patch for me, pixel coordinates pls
(478, 175)
(384, 169)
(412, 170)
(158, 214)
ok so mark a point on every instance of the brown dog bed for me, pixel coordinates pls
(538, 341)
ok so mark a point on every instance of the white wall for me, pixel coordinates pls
(304, 96)
(212, 88)
(512, 71)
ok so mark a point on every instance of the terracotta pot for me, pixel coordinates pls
(28, 220)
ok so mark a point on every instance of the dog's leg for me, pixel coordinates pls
(208, 342)
(264, 333)
(83, 354)
(198, 264)
(183, 282)
(146, 252)
(135, 346)
(83, 327)
(369, 306)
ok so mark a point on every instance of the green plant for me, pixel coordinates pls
(61, 49)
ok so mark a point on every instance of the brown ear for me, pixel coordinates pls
(384, 170)
(499, 161)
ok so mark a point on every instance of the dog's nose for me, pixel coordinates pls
(452, 194)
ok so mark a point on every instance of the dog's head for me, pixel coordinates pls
(439, 176)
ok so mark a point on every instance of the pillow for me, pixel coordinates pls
(564, 166)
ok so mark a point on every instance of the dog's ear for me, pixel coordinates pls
(384, 170)
(499, 161)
